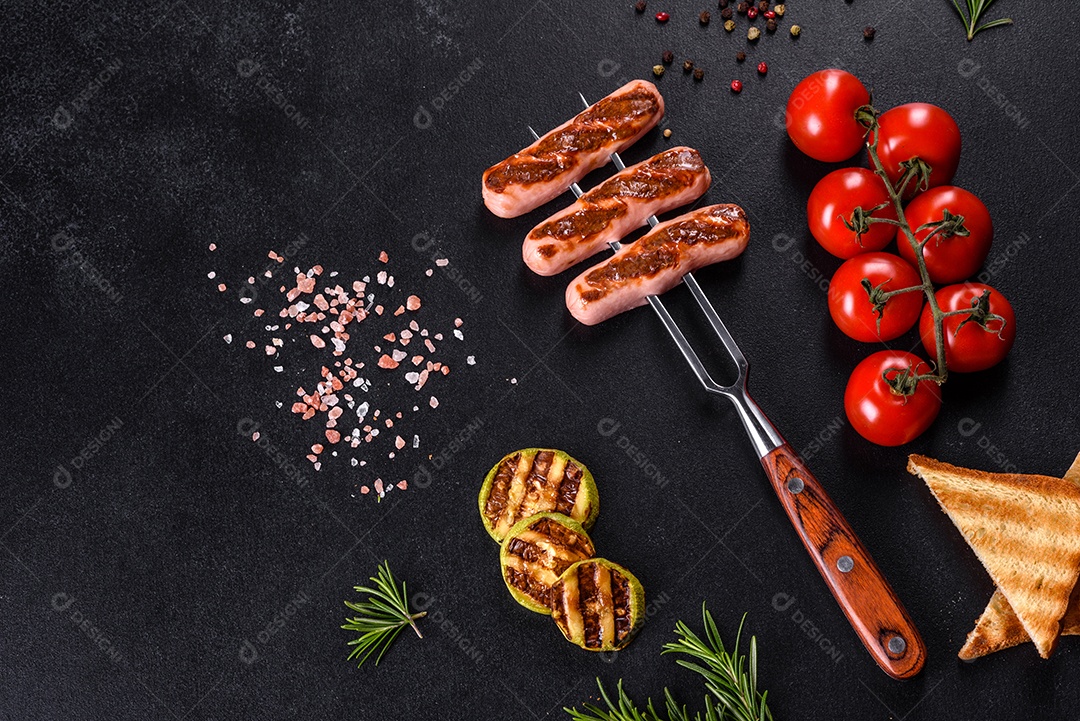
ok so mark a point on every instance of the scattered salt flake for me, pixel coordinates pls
(412, 376)
(380, 277)
(399, 442)
(400, 310)
(255, 436)
(353, 462)
(403, 484)
(211, 275)
(332, 435)
(471, 360)
(379, 486)
(221, 287)
(365, 490)
(442, 262)
(399, 355)
(386, 361)
(416, 441)
(458, 322)
(390, 282)
(513, 381)
(279, 404)
(250, 344)
(428, 272)
(384, 257)
(434, 402)
(213, 246)
(317, 341)
(391, 455)
(228, 338)
(279, 369)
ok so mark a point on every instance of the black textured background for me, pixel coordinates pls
(179, 541)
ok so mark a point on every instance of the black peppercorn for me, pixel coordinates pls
(724, 3)
(668, 57)
(640, 6)
(741, 8)
(687, 66)
(699, 75)
(705, 17)
(763, 5)
(726, 13)
(740, 56)
(770, 25)
(869, 32)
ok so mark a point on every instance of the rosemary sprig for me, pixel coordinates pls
(730, 678)
(381, 617)
(975, 8)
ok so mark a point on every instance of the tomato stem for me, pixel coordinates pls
(918, 169)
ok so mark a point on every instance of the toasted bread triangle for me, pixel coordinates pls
(1025, 529)
(998, 627)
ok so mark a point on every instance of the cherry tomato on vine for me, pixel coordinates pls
(835, 197)
(851, 307)
(881, 415)
(972, 347)
(923, 130)
(950, 259)
(820, 115)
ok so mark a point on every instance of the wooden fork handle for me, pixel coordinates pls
(868, 601)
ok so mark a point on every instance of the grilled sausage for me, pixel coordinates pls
(614, 208)
(657, 262)
(542, 171)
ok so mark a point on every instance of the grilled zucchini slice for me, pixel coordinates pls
(536, 480)
(535, 553)
(598, 605)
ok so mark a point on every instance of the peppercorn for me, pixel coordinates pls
(751, 13)
(729, 25)
(753, 34)
(704, 17)
(779, 10)
(736, 86)
(662, 17)
(869, 32)
(762, 67)
(687, 66)
(763, 5)
(740, 56)
(667, 132)
(726, 13)
(724, 3)
(769, 14)
(741, 8)
(699, 75)
(639, 6)
(795, 30)
(770, 25)
(657, 70)
(668, 57)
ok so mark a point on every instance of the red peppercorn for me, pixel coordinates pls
(762, 67)
(751, 13)
(662, 17)
(769, 14)
(736, 86)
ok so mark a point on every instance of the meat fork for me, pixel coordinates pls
(870, 604)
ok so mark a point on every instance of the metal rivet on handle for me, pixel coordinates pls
(897, 645)
(845, 564)
(795, 484)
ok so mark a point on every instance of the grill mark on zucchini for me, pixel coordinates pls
(587, 594)
(568, 497)
(620, 602)
(537, 551)
(500, 488)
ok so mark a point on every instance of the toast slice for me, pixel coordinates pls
(999, 628)
(1025, 529)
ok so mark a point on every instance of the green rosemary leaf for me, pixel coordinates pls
(380, 618)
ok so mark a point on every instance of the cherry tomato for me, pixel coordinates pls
(835, 197)
(922, 130)
(882, 416)
(972, 348)
(850, 305)
(820, 115)
(949, 259)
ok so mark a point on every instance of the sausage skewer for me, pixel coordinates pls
(858, 585)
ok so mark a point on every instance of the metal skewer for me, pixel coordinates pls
(870, 604)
